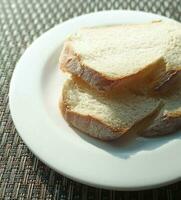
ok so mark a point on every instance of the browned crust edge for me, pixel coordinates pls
(169, 122)
(169, 81)
(166, 125)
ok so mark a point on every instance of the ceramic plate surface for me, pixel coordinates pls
(130, 163)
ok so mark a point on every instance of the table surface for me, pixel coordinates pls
(22, 175)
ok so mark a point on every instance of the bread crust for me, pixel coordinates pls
(167, 83)
(164, 125)
(167, 122)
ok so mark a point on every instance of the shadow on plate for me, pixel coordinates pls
(130, 144)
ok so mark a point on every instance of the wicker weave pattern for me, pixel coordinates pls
(22, 175)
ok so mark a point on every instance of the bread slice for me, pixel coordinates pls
(106, 117)
(121, 55)
(169, 119)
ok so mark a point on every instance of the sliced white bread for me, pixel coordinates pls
(169, 119)
(106, 117)
(118, 56)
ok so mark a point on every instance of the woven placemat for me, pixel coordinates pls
(22, 175)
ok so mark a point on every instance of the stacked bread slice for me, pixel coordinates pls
(124, 79)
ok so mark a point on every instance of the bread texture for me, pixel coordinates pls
(169, 119)
(123, 55)
(106, 117)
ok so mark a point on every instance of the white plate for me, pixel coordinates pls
(127, 164)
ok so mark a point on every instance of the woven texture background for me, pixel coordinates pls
(22, 175)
